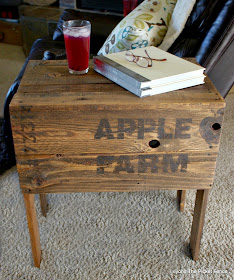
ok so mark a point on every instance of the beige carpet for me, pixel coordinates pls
(115, 236)
(11, 61)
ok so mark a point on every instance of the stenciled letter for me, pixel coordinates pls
(123, 129)
(124, 164)
(180, 127)
(143, 164)
(104, 124)
(142, 129)
(174, 165)
(161, 130)
(103, 160)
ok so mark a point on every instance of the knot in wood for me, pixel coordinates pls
(38, 180)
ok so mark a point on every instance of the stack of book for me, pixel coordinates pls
(163, 76)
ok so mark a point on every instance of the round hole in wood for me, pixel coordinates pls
(216, 126)
(154, 143)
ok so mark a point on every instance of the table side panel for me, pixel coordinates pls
(136, 172)
(124, 129)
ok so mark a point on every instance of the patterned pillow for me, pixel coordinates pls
(145, 26)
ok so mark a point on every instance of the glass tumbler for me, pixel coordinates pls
(77, 42)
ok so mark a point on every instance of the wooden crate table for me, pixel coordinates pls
(86, 134)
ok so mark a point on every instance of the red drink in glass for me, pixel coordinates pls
(77, 52)
(77, 42)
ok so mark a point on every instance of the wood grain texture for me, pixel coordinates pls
(131, 128)
(33, 228)
(43, 204)
(136, 172)
(198, 222)
(181, 197)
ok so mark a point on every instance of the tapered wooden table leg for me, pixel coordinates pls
(44, 204)
(198, 222)
(33, 228)
(181, 196)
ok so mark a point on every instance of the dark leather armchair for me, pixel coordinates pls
(208, 36)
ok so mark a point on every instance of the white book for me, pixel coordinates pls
(149, 91)
(173, 71)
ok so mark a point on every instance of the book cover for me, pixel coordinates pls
(173, 70)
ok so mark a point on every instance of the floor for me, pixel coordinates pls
(11, 61)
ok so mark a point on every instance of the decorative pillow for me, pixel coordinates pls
(145, 26)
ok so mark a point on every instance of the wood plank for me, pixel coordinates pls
(136, 172)
(198, 222)
(40, 72)
(33, 228)
(100, 129)
(109, 93)
(181, 196)
(43, 203)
